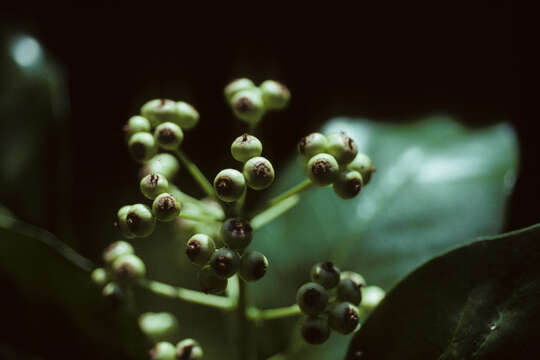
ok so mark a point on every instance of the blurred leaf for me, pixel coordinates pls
(480, 301)
(437, 184)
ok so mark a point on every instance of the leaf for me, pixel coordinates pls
(481, 301)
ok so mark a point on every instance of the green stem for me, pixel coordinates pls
(246, 335)
(197, 218)
(273, 212)
(306, 184)
(270, 314)
(196, 173)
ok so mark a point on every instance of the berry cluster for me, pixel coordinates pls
(334, 159)
(187, 349)
(330, 302)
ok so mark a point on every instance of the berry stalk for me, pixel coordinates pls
(196, 173)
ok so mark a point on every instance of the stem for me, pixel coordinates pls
(246, 338)
(306, 184)
(270, 314)
(196, 173)
(239, 207)
(229, 302)
(273, 212)
(197, 218)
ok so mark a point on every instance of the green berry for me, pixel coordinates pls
(325, 274)
(372, 297)
(275, 95)
(355, 277)
(236, 233)
(341, 147)
(163, 351)
(343, 317)
(248, 105)
(236, 86)
(210, 282)
(100, 277)
(121, 222)
(246, 147)
(140, 220)
(229, 185)
(136, 124)
(168, 135)
(253, 266)
(322, 169)
(225, 262)
(200, 248)
(188, 117)
(160, 110)
(362, 164)
(142, 146)
(311, 145)
(158, 326)
(128, 267)
(113, 293)
(164, 164)
(315, 330)
(188, 349)
(312, 298)
(165, 207)
(348, 184)
(115, 250)
(153, 184)
(259, 173)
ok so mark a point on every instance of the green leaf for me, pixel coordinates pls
(481, 301)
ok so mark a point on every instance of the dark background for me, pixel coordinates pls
(386, 64)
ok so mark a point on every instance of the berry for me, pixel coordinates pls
(315, 330)
(188, 349)
(137, 123)
(248, 105)
(322, 169)
(236, 86)
(225, 262)
(259, 173)
(158, 326)
(229, 185)
(163, 351)
(325, 274)
(341, 147)
(188, 117)
(200, 248)
(362, 164)
(210, 282)
(168, 135)
(128, 267)
(355, 277)
(312, 298)
(236, 233)
(165, 207)
(348, 184)
(113, 293)
(142, 146)
(164, 164)
(343, 317)
(121, 222)
(152, 185)
(115, 250)
(100, 277)
(140, 220)
(311, 145)
(253, 266)
(160, 110)
(246, 147)
(350, 287)
(275, 95)
(372, 297)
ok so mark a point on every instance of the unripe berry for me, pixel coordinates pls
(115, 250)
(315, 330)
(140, 220)
(168, 135)
(246, 147)
(153, 184)
(100, 277)
(312, 298)
(362, 164)
(236, 86)
(164, 164)
(121, 222)
(343, 317)
(322, 169)
(275, 95)
(128, 267)
(165, 207)
(341, 147)
(188, 117)
(248, 105)
(311, 145)
(348, 184)
(136, 124)
(372, 297)
(158, 326)
(210, 282)
(229, 185)
(325, 274)
(225, 262)
(189, 349)
(163, 351)
(253, 266)
(259, 173)
(142, 146)
(236, 233)
(160, 110)
(200, 248)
